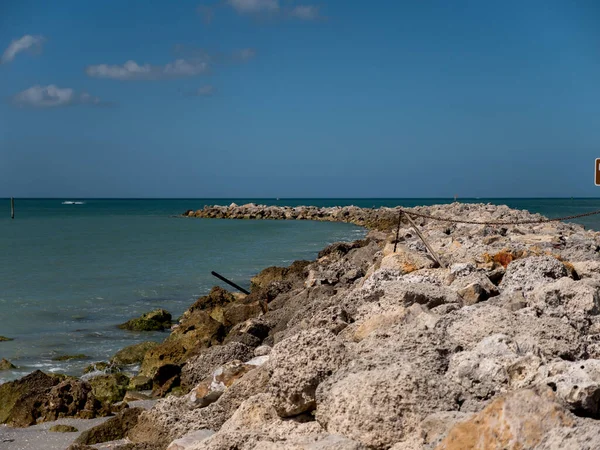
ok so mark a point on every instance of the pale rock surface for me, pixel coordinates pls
(467, 326)
(474, 287)
(199, 367)
(406, 261)
(575, 300)
(482, 371)
(396, 398)
(529, 273)
(587, 269)
(577, 384)
(190, 440)
(299, 364)
(212, 387)
(518, 420)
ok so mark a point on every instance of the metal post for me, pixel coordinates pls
(12, 208)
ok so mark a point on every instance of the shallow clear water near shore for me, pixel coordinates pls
(72, 269)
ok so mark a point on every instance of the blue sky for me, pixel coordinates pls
(282, 98)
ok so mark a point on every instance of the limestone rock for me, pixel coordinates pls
(211, 388)
(381, 406)
(587, 269)
(577, 384)
(482, 371)
(584, 436)
(406, 261)
(520, 419)
(298, 365)
(467, 326)
(263, 350)
(529, 273)
(190, 440)
(567, 297)
(474, 288)
(199, 367)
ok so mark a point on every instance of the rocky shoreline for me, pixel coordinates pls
(370, 348)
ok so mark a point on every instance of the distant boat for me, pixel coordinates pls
(71, 202)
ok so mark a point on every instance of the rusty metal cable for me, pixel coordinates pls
(510, 222)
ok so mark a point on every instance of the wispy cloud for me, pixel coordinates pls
(271, 9)
(305, 12)
(131, 70)
(191, 62)
(27, 42)
(203, 91)
(254, 6)
(52, 96)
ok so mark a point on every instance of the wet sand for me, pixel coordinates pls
(38, 437)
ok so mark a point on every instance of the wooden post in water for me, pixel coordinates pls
(12, 208)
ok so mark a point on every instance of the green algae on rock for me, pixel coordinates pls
(157, 320)
(109, 388)
(5, 364)
(133, 354)
(62, 429)
(69, 357)
(4, 339)
(40, 397)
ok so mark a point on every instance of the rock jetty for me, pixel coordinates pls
(375, 346)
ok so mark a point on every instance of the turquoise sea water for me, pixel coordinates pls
(69, 273)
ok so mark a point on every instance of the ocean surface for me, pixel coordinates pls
(71, 270)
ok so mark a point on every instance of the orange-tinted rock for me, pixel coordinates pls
(519, 420)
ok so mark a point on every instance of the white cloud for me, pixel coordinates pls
(254, 6)
(243, 55)
(133, 71)
(204, 91)
(52, 96)
(305, 12)
(27, 42)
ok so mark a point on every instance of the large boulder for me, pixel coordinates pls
(576, 384)
(199, 367)
(576, 300)
(110, 387)
(518, 420)
(482, 371)
(466, 327)
(406, 261)
(297, 366)
(5, 364)
(213, 386)
(529, 273)
(132, 354)
(113, 429)
(38, 397)
(381, 406)
(156, 320)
